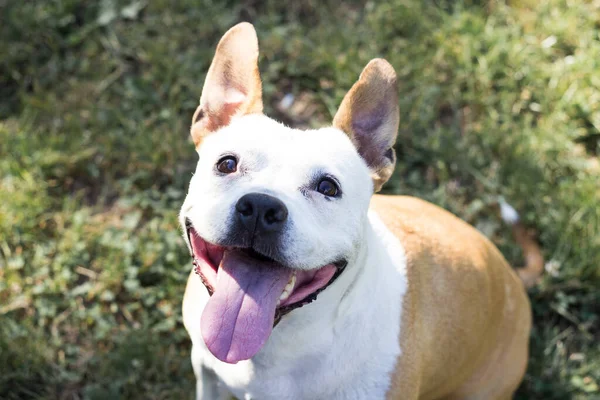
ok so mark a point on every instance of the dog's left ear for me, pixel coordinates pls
(232, 87)
(369, 114)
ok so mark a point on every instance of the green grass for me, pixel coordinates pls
(95, 104)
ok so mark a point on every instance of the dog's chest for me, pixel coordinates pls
(344, 349)
(354, 363)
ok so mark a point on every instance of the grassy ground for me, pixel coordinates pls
(95, 100)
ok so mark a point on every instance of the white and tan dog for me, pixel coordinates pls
(306, 286)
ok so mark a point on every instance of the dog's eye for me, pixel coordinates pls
(227, 165)
(327, 187)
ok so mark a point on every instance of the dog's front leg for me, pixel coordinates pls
(208, 386)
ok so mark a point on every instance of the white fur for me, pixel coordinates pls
(345, 344)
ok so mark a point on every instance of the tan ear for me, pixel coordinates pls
(369, 115)
(232, 87)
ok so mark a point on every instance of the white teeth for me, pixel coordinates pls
(287, 290)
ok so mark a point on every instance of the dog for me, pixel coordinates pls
(306, 285)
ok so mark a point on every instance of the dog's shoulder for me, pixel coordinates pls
(457, 282)
(425, 229)
(444, 250)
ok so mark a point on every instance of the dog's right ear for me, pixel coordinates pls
(232, 87)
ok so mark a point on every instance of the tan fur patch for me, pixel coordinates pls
(466, 316)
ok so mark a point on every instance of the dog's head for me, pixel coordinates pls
(273, 214)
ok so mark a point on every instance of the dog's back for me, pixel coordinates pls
(466, 317)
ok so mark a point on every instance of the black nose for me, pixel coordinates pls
(261, 213)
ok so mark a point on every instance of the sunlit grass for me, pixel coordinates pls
(95, 102)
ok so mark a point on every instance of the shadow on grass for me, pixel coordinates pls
(136, 364)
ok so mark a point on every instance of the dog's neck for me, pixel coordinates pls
(317, 329)
(313, 351)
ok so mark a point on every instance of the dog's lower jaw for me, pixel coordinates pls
(365, 298)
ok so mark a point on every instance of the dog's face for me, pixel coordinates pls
(316, 176)
(273, 214)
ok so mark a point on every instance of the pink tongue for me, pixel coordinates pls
(239, 316)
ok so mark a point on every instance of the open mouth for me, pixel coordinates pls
(250, 293)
